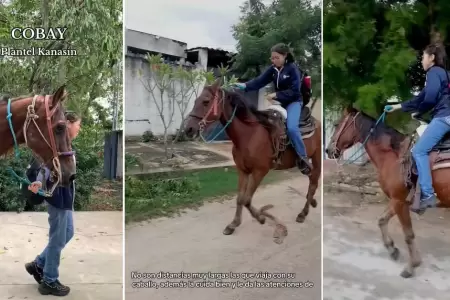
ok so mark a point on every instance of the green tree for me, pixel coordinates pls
(94, 30)
(93, 78)
(372, 50)
(294, 22)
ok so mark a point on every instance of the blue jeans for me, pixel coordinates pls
(61, 232)
(430, 138)
(292, 123)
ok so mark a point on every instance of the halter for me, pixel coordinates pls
(213, 110)
(31, 119)
(347, 124)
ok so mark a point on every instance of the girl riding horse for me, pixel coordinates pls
(435, 97)
(286, 78)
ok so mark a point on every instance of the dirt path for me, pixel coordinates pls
(356, 264)
(91, 264)
(194, 243)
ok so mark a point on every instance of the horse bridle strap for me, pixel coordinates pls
(346, 125)
(213, 109)
(49, 114)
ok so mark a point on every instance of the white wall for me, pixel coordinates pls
(141, 113)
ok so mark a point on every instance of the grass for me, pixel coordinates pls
(107, 196)
(163, 195)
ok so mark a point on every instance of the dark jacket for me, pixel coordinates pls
(435, 96)
(63, 197)
(287, 82)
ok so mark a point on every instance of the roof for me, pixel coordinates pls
(209, 49)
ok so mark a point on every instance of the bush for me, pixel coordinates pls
(153, 197)
(89, 146)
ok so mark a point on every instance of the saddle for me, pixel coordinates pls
(277, 117)
(439, 159)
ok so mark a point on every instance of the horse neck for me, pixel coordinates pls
(381, 154)
(235, 129)
(19, 114)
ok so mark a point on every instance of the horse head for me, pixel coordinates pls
(207, 109)
(45, 132)
(345, 134)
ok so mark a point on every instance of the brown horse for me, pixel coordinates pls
(254, 148)
(388, 150)
(39, 123)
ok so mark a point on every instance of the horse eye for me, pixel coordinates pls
(205, 103)
(60, 128)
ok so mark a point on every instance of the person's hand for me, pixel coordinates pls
(240, 86)
(392, 108)
(35, 187)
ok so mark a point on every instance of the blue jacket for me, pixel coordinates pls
(435, 95)
(287, 82)
(63, 197)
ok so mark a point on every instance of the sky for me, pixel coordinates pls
(195, 22)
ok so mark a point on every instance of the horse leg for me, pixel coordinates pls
(387, 240)
(240, 201)
(402, 211)
(253, 183)
(313, 183)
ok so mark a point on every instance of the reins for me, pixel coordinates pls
(213, 110)
(363, 144)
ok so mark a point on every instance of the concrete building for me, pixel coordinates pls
(141, 112)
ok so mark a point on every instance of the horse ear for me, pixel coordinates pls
(217, 84)
(349, 109)
(60, 94)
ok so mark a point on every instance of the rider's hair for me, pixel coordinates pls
(72, 116)
(284, 50)
(438, 50)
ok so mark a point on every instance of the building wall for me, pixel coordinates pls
(141, 112)
(155, 43)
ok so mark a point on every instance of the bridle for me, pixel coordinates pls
(31, 120)
(213, 109)
(348, 122)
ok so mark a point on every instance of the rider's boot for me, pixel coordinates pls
(425, 202)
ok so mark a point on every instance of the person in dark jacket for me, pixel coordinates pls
(286, 78)
(44, 268)
(435, 97)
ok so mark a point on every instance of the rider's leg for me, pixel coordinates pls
(430, 138)
(292, 122)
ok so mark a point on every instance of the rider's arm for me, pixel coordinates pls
(293, 93)
(428, 97)
(260, 81)
(432, 89)
(412, 105)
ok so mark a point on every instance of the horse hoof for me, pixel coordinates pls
(300, 218)
(406, 274)
(395, 254)
(314, 203)
(228, 230)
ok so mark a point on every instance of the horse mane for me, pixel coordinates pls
(366, 123)
(5, 97)
(246, 109)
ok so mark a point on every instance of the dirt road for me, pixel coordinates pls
(356, 264)
(91, 264)
(194, 243)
